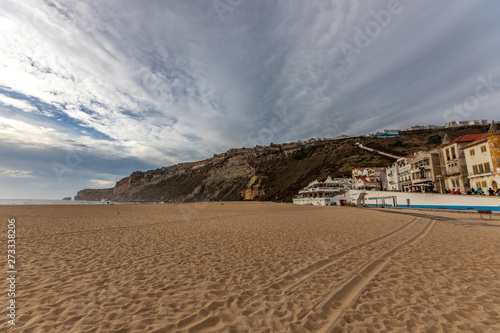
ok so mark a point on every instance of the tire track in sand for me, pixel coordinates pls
(292, 281)
(336, 302)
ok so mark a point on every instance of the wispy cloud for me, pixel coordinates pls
(17, 103)
(16, 173)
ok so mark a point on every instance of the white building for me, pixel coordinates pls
(425, 168)
(455, 123)
(393, 178)
(420, 127)
(371, 178)
(327, 193)
(398, 174)
(384, 133)
(342, 136)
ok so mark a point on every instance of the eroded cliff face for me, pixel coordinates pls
(274, 172)
(234, 175)
(94, 195)
(260, 173)
(253, 189)
(227, 178)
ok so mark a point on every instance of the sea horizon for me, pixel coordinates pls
(62, 202)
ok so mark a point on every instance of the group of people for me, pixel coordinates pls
(479, 191)
(472, 191)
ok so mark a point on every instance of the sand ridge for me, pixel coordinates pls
(253, 267)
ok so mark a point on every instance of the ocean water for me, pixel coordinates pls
(52, 202)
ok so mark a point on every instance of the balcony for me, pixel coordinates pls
(421, 181)
(484, 174)
(451, 171)
(418, 167)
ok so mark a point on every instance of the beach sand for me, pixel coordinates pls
(251, 267)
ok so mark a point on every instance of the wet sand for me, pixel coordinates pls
(251, 267)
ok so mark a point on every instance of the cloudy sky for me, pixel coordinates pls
(91, 91)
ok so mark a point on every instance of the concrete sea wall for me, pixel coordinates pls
(426, 200)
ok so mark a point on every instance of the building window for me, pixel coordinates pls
(484, 183)
(481, 168)
(487, 167)
(447, 154)
(472, 152)
(483, 149)
(478, 185)
(474, 169)
(495, 144)
(458, 182)
(453, 183)
(453, 154)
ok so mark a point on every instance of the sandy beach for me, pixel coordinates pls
(251, 267)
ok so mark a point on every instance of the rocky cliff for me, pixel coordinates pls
(274, 172)
(94, 195)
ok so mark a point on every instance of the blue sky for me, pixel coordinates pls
(91, 91)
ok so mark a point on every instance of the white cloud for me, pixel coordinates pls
(17, 132)
(16, 173)
(102, 183)
(17, 103)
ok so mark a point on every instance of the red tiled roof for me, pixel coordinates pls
(368, 179)
(468, 138)
(481, 137)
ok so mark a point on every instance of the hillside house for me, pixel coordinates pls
(482, 158)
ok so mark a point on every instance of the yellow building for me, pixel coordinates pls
(493, 137)
(482, 157)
